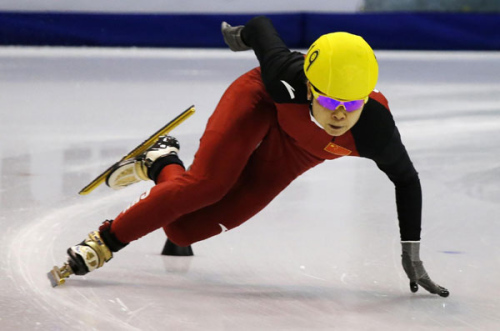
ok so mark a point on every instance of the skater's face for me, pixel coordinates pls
(334, 122)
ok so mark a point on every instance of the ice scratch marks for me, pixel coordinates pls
(131, 313)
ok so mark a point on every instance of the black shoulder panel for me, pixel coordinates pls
(285, 80)
(374, 129)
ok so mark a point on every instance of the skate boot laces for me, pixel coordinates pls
(166, 145)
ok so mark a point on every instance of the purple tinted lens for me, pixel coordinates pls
(333, 104)
(328, 103)
(354, 105)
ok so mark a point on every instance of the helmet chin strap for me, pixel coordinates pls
(309, 94)
(313, 119)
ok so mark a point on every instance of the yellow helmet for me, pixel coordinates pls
(342, 66)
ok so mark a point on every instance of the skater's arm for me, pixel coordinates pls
(278, 64)
(378, 138)
(394, 161)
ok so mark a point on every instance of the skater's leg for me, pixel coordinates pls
(274, 165)
(170, 172)
(239, 123)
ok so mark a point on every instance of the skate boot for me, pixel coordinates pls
(146, 166)
(88, 255)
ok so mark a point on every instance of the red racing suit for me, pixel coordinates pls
(258, 140)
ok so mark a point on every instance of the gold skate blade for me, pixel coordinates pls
(57, 276)
(141, 148)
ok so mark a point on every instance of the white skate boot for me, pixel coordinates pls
(146, 166)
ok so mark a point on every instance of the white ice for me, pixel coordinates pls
(324, 255)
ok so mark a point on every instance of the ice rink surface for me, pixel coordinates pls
(324, 255)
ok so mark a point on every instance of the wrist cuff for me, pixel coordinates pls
(411, 249)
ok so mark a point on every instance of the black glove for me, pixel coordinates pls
(414, 269)
(232, 37)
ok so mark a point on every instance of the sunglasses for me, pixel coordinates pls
(332, 104)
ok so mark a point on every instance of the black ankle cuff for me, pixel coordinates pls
(110, 240)
(162, 162)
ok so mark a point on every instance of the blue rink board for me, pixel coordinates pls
(413, 31)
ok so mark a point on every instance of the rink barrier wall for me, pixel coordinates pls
(410, 31)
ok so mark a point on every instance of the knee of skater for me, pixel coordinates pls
(212, 190)
(178, 237)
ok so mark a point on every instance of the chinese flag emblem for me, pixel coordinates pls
(337, 150)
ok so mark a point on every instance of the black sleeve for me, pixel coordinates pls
(279, 66)
(394, 161)
(378, 138)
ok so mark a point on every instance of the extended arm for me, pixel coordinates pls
(395, 162)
